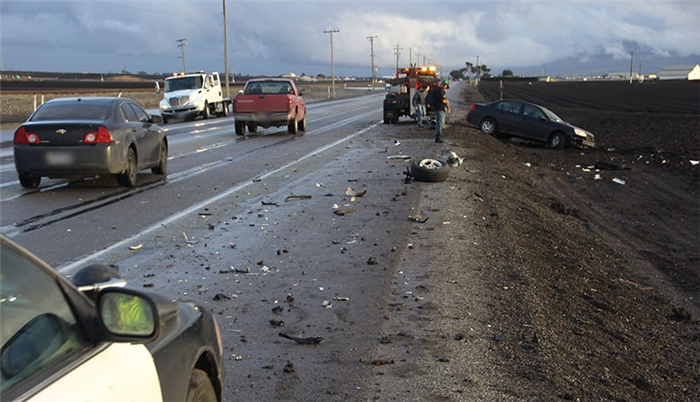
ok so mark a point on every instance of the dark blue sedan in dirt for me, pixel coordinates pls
(527, 121)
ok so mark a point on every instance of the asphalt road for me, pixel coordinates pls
(264, 229)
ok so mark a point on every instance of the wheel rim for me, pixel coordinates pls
(131, 168)
(487, 127)
(430, 164)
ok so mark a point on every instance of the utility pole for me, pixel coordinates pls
(332, 31)
(374, 75)
(228, 92)
(182, 44)
(397, 52)
(418, 58)
(631, 65)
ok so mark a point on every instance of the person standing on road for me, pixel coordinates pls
(441, 106)
(419, 104)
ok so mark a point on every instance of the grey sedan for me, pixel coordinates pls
(89, 137)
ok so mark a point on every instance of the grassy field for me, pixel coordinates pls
(16, 108)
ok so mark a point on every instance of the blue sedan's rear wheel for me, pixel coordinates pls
(29, 181)
(200, 388)
(488, 126)
(128, 178)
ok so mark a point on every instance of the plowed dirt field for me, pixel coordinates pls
(593, 283)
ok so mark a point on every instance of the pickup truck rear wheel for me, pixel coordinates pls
(293, 127)
(252, 128)
(302, 124)
(240, 128)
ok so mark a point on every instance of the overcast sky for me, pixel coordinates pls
(268, 37)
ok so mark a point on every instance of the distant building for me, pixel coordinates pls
(691, 73)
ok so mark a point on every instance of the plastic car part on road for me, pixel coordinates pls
(430, 170)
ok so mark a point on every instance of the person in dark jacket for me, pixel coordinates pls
(441, 106)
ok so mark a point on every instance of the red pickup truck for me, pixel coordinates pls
(267, 102)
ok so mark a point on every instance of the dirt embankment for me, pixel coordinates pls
(543, 279)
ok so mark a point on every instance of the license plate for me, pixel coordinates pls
(59, 158)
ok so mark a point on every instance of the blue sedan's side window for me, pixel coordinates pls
(38, 326)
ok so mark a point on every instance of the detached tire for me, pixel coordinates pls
(200, 388)
(430, 170)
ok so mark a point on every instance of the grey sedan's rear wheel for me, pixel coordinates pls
(200, 388)
(128, 178)
(430, 170)
(488, 126)
(240, 128)
(162, 167)
(29, 181)
(557, 140)
(293, 127)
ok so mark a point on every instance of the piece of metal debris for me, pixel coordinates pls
(404, 157)
(343, 212)
(313, 340)
(418, 218)
(136, 247)
(294, 196)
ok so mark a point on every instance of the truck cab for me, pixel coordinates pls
(188, 96)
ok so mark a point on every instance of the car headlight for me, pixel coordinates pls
(581, 133)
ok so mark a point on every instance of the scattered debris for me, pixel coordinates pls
(221, 296)
(618, 181)
(269, 203)
(276, 323)
(327, 304)
(294, 196)
(289, 367)
(136, 247)
(382, 362)
(354, 193)
(418, 218)
(313, 340)
(188, 241)
(339, 298)
(451, 158)
(277, 309)
(372, 261)
(343, 212)
(404, 157)
(477, 197)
